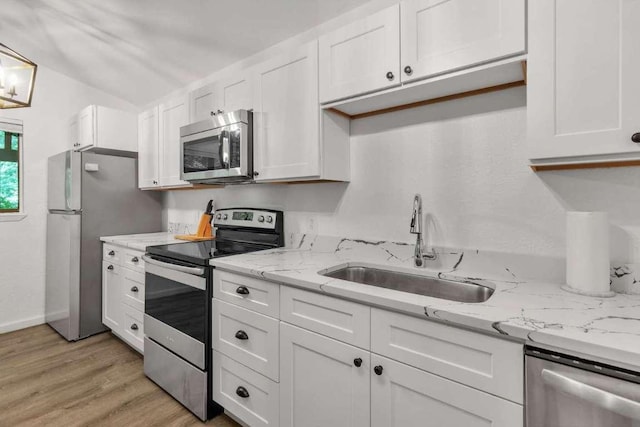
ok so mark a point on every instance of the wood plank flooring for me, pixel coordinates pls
(98, 381)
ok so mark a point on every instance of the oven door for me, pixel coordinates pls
(218, 154)
(176, 303)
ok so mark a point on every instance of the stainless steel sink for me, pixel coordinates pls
(412, 283)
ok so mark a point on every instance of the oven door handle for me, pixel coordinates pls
(198, 271)
(604, 399)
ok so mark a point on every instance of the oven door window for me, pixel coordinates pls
(207, 154)
(177, 305)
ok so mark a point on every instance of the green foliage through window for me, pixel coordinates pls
(9, 172)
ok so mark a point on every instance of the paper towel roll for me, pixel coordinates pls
(588, 254)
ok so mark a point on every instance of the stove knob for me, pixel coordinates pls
(260, 218)
(218, 216)
(269, 219)
(225, 217)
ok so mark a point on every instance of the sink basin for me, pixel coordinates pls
(413, 283)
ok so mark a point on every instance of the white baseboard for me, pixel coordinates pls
(21, 324)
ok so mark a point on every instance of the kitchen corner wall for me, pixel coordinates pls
(23, 243)
(468, 159)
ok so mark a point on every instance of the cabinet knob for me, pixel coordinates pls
(242, 290)
(242, 335)
(256, 173)
(357, 362)
(213, 113)
(110, 267)
(134, 289)
(112, 253)
(408, 70)
(378, 370)
(636, 138)
(135, 259)
(220, 111)
(134, 327)
(242, 392)
(390, 76)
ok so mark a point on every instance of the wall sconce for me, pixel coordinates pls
(17, 76)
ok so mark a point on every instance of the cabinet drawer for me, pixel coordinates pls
(132, 259)
(258, 406)
(133, 289)
(336, 318)
(133, 328)
(254, 294)
(486, 363)
(247, 337)
(402, 396)
(111, 253)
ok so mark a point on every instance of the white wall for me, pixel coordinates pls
(468, 160)
(22, 244)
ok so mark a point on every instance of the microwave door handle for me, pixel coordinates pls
(604, 399)
(226, 161)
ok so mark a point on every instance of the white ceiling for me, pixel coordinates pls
(140, 50)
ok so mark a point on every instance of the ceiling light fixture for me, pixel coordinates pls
(17, 76)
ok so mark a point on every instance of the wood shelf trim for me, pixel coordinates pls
(594, 165)
(431, 101)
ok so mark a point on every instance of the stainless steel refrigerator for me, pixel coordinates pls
(89, 195)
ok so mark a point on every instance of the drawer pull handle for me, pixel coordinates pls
(357, 362)
(242, 290)
(378, 370)
(134, 289)
(242, 335)
(635, 138)
(135, 259)
(242, 392)
(134, 327)
(110, 267)
(112, 253)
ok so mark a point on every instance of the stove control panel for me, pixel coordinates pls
(245, 218)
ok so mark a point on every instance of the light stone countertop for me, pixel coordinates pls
(141, 241)
(533, 311)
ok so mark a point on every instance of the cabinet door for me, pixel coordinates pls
(86, 128)
(402, 396)
(361, 57)
(203, 102)
(320, 385)
(172, 115)
(440, 36)
(112, 296)
(583, 85)
(286, 116)
(236, 92)
(148, 149)
(73, 133)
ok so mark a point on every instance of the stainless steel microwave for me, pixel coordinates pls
(218, 150)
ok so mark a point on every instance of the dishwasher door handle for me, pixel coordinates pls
(602, 398)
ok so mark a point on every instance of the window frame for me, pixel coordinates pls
(13, 126)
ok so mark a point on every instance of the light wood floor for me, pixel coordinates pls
(99, 381)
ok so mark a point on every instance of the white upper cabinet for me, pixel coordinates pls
(441, 36)
(583, 85)
(172, 115)
(203, 102)
(361, 57)
(101, 127)
(286, 116)
(148, 149)
(223, 96)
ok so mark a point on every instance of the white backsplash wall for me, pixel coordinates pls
(468, 159)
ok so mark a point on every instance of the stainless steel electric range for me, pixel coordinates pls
(178, 293)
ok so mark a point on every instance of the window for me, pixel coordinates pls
(9, 171)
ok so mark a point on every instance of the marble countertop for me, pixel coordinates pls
(605, 329)
(141, 241)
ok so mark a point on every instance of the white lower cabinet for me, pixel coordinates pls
(320, 382)
(402, 396)
(123, 294)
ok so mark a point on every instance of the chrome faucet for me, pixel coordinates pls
(416, 228)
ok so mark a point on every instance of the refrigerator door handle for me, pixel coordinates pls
(595, 396)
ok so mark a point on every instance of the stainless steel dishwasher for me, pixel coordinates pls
(564, 391)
